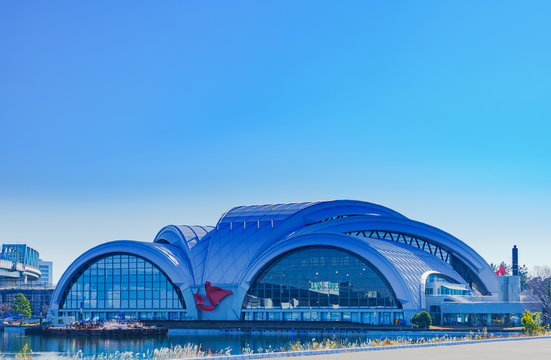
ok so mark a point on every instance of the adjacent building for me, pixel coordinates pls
(338, 260)
(46, 270)
(21, 271)
(18, 265)
(39, 298)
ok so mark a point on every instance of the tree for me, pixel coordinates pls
(21, 306)
(522, 273)
(543, 272)
(5, 308)
(422, 320)
(495, 267)
(539, 286)
(524, 277)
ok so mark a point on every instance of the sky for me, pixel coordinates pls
(118, 118)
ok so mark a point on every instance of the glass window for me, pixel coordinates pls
(121, 282)
(319, 277)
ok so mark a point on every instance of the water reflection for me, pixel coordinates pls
(55, 346)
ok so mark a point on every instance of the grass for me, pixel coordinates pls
(177, 352)
(195, 351)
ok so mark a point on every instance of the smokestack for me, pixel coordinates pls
(515, 261)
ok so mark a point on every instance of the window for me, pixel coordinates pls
(121, 282)
(319, 277)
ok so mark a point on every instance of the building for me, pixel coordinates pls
(18, 265)
(39, 298)
(338, 260)
(20, 272)
(46, 270)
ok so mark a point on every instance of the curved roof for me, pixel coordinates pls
(402, 266)
(245, 232)
(458, 248)
(413, 263)
(246, 238)
(281, 212)
(274, 212)
(168, 258)
(193, 240)
(183, 236)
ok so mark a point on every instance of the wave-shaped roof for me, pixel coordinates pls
(282, 212)
(412, 263)
(182, 235)
(246, 238)
(275, 212)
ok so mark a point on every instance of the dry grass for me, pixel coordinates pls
(194, 351)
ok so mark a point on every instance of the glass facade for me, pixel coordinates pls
(318, 277)
(122, 286)
(432, 248)
(437, 284)
(482, 319)
(20, 253)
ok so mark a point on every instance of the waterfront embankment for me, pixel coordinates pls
(521, 348)
(319, 329)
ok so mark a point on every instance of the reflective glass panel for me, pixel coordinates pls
(122, 282)
(318, 277)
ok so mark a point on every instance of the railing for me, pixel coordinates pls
(28, 287)
(10, 265)
(32, 270)
(6, 264)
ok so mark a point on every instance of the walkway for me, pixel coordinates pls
(532, 349)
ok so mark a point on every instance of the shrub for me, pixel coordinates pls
(532, 323)
(422, 320)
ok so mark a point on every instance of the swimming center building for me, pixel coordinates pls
(337, 260)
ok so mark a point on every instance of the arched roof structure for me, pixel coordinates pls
(193, 240)
(402, 266)
(170, 259)
(247, 238)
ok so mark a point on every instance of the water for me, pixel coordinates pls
(51, 347)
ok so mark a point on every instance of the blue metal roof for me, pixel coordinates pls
(193, 233)
(182, 236)
(412, 263)
(247, 238)
(253, 213)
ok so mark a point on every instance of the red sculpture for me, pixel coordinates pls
(501, 271)
(214, 295)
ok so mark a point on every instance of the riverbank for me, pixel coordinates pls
(186, 347)
(536, 348)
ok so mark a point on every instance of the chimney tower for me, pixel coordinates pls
(515, 260)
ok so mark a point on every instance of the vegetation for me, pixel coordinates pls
(422, 320)
(25, 353)
(194, 351)
(522, 273)
(21, 306)
(187, 351)
(532, 324)
(5, 308)
(508, 268)
(536, 284)
(539, 286)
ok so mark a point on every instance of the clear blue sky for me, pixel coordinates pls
(118, 118)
